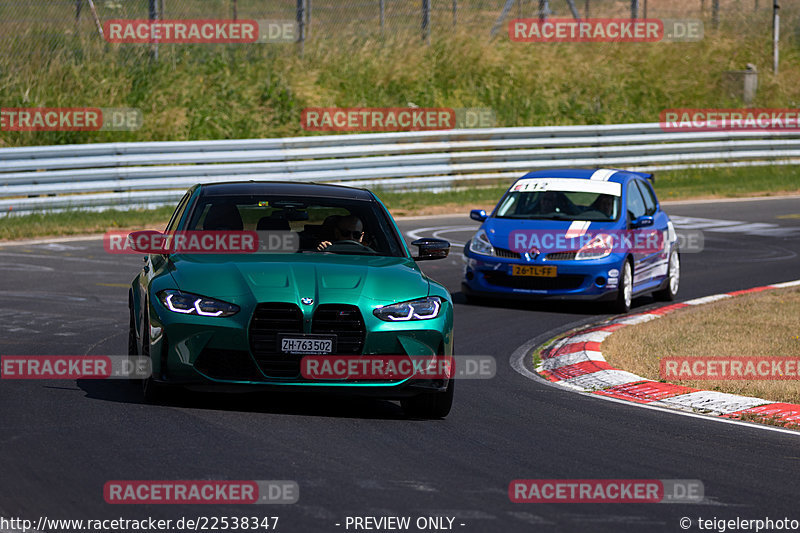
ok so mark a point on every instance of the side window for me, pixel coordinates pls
(176, 216)
(635, 202)
(649, 197)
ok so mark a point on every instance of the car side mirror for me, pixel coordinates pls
(642, 222)
(147, 242)
(430, 248)
(478, 214)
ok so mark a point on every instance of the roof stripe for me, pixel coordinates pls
(603, 174)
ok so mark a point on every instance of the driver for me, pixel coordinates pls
(549, 203)
(348, 228)
(605, 204)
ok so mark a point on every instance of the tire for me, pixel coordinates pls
(133, 349)
(430, 405)
(474, 300)
(669, 293)
(622, 304)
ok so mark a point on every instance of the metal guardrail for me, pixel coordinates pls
(157, 173)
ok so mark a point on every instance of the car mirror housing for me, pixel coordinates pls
(642, 222)
(478, 214)
(147, 242)
(430, 248)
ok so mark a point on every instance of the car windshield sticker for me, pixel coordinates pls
(567, 185)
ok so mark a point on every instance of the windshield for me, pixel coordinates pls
(322, 225)
(559, 205)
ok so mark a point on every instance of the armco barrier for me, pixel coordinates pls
(156, 173)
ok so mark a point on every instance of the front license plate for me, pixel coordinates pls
(307, 345)
(533, 270)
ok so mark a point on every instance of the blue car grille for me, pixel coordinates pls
(561, 256)
(507, 254)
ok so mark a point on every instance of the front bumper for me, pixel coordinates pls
(595, 279)
(205, 353)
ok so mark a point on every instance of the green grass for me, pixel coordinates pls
(727, 182)
(258, 91)
(671, 185)
(80, 222)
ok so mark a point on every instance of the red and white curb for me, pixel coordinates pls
(575, 361)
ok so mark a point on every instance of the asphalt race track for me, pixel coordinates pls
(61, 441)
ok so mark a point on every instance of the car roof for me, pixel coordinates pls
(619, 176)
(284, 188)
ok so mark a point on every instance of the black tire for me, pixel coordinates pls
(473, 300)
(670, 291)
(430, 405)
(154, 392)
(622, 304)
(133, 349)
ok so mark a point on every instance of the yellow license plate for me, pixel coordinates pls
(531, 270)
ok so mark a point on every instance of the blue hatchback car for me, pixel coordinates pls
(591, 234)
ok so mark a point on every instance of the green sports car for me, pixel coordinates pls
(346, 285)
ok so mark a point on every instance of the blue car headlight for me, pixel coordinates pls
(194, 304)
(422, 309)
(480, 244)
(598, 248)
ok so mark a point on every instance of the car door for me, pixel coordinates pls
(635, 208)
(657, 261)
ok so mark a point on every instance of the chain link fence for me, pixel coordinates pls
(57, 22)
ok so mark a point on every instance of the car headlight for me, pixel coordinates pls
(422, 309)
(193, 304)
(598, 248)
(480, 244)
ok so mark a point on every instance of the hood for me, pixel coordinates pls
(288, 278)
(500, 230)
